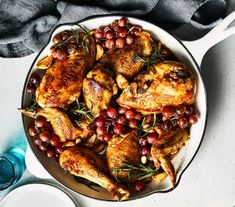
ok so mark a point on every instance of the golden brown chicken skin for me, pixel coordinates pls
(85, 163)
(162, 84)
(124, 61)
(62, 82)
(98, 88)
(123, 149)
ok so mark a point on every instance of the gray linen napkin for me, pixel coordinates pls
(25, 25)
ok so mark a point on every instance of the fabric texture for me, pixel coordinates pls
(25, 26)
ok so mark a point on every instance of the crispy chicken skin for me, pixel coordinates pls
(124, 61)
(123, 149)
(85, 163)
(62, 83)
(162, 84)
(166, 147)
(98, 88)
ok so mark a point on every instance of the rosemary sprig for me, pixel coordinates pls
(81, 109)
(153, 58)
(136, 171)
(34, 106)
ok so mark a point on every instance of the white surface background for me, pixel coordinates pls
(210, 179)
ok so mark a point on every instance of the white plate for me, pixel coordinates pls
(37, 195)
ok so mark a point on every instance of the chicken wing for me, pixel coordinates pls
(98, 89)
(120, 150)
(86, 163)
(123, 60)
(62, 82)
(162, 84)
(166, 147)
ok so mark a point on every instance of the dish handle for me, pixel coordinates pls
(199, 47)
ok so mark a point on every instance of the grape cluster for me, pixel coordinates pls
(116, 121)
(44, 137)
(118, 34)
(33, 83)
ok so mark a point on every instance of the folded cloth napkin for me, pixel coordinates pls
(25, 25)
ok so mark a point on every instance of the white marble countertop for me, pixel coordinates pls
(209, 180)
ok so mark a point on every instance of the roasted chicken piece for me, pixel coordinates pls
(86, 163)
(162, 84)
(124, 60)
(62, 82)
(61, 124)
(123, 149)
(98, 89)
(166, 147)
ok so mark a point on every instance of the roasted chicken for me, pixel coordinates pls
(98, 88)
(124, 61)
(123, 149)
(86, 163)
(166, 147)
(62, 83)
(162, 84)
(61, 124)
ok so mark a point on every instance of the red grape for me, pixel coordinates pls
(40, 122)
(182, 122)
(118, 129)
(107, 28)
(59, 149)
(139, 185)
(133, 123)
(65, 35)
(122, 120)
(167, 125)
(42, 146)
(50, 153)
(152, 137)
(98, 34)
(55, 141)
(123, 22)
(189, 110)
(109, 44)
(109, 34)
(35, 79)
(62, 54)
(168, 112)
(114, 24)
(130, 114)
(111, 113)
(136, 30)
(37, 141)
(100, 131)
(122, 110)
(145, 151)
(57, 39)
(45, 136)
(120, 42)
(30, 88)
(107, 137)
(121, 32)
(192, 119)
(72, 49)
(99, 121)
(180, 109)
(32, 131)
(138, 116)
(129, 39)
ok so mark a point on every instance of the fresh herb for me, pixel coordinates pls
(87, 183)
(136, 171)
(153, 58)
(79, 108)
(34, 106)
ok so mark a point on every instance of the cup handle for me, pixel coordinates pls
(199, 47)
